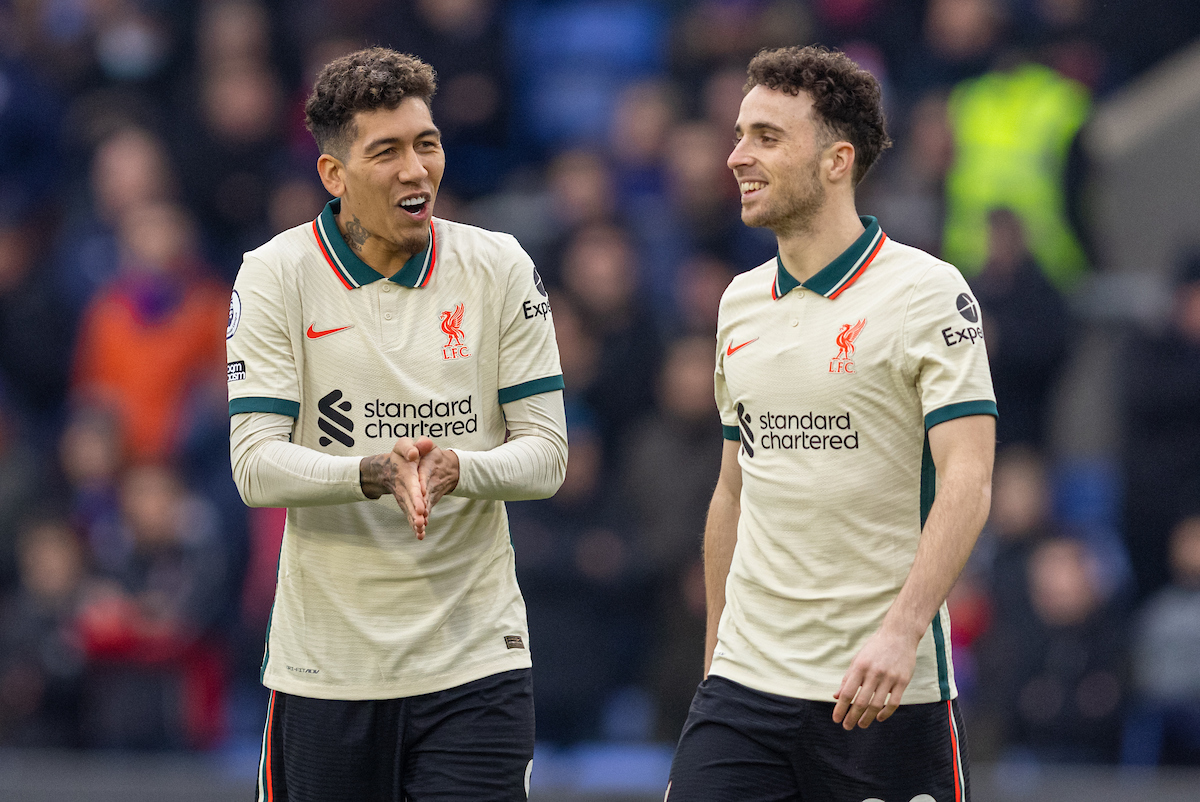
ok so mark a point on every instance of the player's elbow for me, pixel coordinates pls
(250, 490)
(556, 470)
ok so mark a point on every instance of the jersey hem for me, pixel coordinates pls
(516, 392)
(797, 689)
(960, 410)
(278, 406)
(401, 689)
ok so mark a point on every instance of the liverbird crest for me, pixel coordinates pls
(452, 326)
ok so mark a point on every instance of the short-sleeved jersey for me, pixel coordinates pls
(364, 610)
(831, 385)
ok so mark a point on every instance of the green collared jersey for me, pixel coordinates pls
(831, 386)
(364, 610)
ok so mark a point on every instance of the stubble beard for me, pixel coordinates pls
(413, 242)
(794, 211)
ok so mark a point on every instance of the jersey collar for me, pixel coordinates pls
(354, 272)
(839, 274)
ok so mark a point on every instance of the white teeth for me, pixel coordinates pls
(412, 201)
(750, 186)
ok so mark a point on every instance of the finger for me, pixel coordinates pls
(845, 694)
(873, 709)
(893, 702)
(858, 709)
(891, 707)
(424, 446)
(406, 449)
(842, 707)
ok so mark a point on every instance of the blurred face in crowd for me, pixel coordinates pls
(777, 160)
(50, 560)
(388, 179)
(1020, 494)
(151, 499)
(686, 379)
(1185, 553)
(129, 167)
(597, 269)
(1060, 582)
(156, 237)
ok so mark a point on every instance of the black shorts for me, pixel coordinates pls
(464, 744)
(742, 745)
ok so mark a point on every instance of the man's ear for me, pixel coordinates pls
(333, 174)
(840, 158)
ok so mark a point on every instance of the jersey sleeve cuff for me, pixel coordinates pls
(731, 432)
(525, 389)
(960, 410)
(278, 406)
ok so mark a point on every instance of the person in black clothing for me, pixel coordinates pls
(1162, 432)
(1027, 328)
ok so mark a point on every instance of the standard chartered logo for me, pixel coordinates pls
(392, 420)
(810, 431)
(432, 418)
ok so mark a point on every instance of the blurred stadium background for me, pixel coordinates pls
(1049, 148)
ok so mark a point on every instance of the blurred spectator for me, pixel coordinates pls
(41, 660)
(714, 32)
(1028, 329)
(1066, 692)
(1020, 519)
(672, 458)
(1012, 133)
(472, 70)
(599, 275)
(157, 678)
(30, 116)
(1165, 726)
(129, 167)
(22, 472)
(576, 562)
(645, 113)
(698, 289)
(960, 37)
(236, 124)
(150, 348)
(1161, 386)
(906, 190)
(35, 328)
(90, 458)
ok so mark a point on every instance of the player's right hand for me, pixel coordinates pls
(406, 483)
(397, 473)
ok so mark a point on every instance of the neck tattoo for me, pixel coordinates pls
(355, 235)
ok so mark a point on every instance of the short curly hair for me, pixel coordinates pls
(365, 80)
(845, 97)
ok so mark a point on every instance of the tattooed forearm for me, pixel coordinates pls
(355, 235)
(376, 475)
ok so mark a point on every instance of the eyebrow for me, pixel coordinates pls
(737, 129)
(375, 144)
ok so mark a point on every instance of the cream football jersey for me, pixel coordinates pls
(831, 386)
(364, 610)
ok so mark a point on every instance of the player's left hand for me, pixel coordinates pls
(438, 472)
(878, 675)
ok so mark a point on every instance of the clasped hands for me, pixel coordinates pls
(416, 472)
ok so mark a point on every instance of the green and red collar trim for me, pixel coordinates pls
(833, 279)
(354, 272)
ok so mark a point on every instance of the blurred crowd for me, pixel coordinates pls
(147, 144)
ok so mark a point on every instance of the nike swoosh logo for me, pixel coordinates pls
(314, 334)
(729, 350)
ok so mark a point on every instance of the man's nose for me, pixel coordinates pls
(411, 169)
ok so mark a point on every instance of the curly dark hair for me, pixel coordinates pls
(364, 80)
(845, 97)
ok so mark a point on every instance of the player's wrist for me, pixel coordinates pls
(371, 476)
